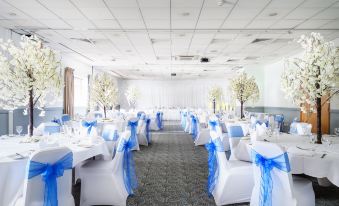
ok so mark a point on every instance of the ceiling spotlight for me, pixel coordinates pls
(128, 50)
(12, 14)
(185, 14)
(273, 14)
(214, 51)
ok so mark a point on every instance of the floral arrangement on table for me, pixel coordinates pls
(28, 73)
(104, 92)
(215, 97)
(132, 94)
(244, 88)
(307, 79)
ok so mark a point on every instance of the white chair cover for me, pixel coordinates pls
(102, 182)
(141, 132)
(285, 191)
(34, 188)
(235, 179)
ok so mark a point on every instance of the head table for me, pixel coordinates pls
(316, 160)
(14, 157)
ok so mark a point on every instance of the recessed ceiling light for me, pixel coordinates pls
(273, 14)
(128, 50)
(214, 51)
(12, 14)
(182, 35)
(185, 14)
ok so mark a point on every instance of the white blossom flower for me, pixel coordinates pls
(132, 94)
(244, 88)
(313, 75)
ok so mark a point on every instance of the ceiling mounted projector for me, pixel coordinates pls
(204, 59)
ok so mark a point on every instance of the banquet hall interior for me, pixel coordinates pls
(169, 102)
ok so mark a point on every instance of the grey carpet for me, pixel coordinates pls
(172, 171)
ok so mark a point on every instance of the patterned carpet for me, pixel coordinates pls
(172, 171)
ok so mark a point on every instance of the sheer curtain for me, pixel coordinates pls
(69, 92)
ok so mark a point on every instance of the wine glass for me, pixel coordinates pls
(19, 129)
(336, 131)
(326, 140)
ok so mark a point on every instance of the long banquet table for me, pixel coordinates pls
(13, 166)
(316, 160)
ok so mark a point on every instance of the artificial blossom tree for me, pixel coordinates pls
(215, 96)
(244, 89)
(28, 73)
(312, 76)
(132, 94)
(104, 91)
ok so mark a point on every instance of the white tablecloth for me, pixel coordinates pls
(12, 171)
(307, 160)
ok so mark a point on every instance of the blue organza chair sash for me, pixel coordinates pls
(235, 131)
(214, 146)
(110, 134)
(261, 122)
(65, 118)
(49, 174)
(133, 126)
(213, 124)
(141, 113)
(148, 131)
(89, 125)
(266, 165)
(58, 121)
(194, 127)
(159, 120)
(130, 178)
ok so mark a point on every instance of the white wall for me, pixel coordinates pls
(173, 93)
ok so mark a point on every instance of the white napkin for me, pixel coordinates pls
(304, 128)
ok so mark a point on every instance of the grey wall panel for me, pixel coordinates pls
(3, 122)
(334, 120)
(22, 120)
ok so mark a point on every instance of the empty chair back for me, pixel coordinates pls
(49, 178)
(110, 133)
(272, 179)
(51, 128)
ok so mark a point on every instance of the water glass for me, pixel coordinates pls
(326, 141)
(311, 138)
(19, 129)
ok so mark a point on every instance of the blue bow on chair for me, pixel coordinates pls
(194, 127)
(133, 125)
(89, 125)
(213, 124)
(159, 121)
(130, 178)
(148, 134)
(65, 118)
(266, 165)
(214, 146)
(58, 121)
(49, 174)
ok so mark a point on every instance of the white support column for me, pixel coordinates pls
(10, 122)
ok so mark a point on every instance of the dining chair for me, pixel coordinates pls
(111, 136)
(273, 182)
(51, 128)
(48, 178)
(229, 181)
(235, 133)
(141, 130)
(132, 127)
(65, 118)
(110, 182)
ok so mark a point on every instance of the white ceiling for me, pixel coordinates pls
(141, 38)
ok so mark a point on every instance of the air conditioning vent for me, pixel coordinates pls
(232, 60)
(173, 74)
(251, 58)
(282, 40)
(84, 40)
(186, 57)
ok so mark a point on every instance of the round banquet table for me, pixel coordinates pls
(316, 160)
(13, 169)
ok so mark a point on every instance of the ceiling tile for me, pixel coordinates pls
(286, 24)
(331, 25)
(121, 3)
(313, 24)
(126, 13)
(284, 3)
(243, 13)
(209, 24)
(183, 24)
(132, 23)
(235, 24)
(89, 3)
(55, 23)
(186, 3)
(261, 24)
(154, 3)
(156, 13)
(106, 24)
(185, 13)
(97, 13)
(330, 13)
(69, 13)
(317, 3)
(59, 4)
(80, 24)
(157, 24)
(214, 13)
(303, 13)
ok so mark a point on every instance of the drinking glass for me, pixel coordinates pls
(19, 129)
(326, 140)
(336, 131)
(311, 138)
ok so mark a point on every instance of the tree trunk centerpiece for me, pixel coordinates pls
(244, 88)
(27, 74)
(314, 75)
(104, 92)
